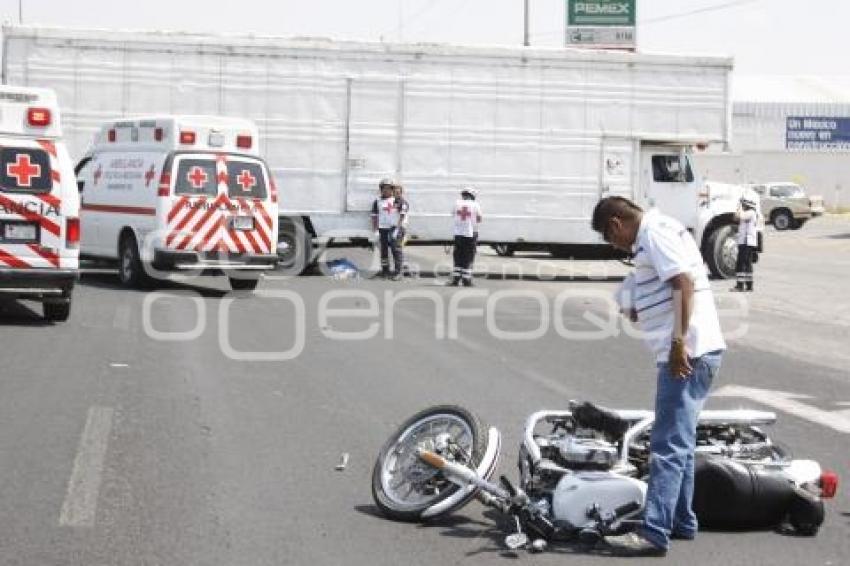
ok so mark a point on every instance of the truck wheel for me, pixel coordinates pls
(503, 250)
(782, 220)
(243, 283)
(721, 251)
(131, 272)
(57, 312)
(294, 247)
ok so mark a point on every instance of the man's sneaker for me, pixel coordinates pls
(396, 277)
(467, 282)
(632, 544)
(453, 282)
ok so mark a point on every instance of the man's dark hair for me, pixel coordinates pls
(611, 207)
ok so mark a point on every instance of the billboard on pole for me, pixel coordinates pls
(608, 24)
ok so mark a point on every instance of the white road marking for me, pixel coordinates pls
(80, 505)
(836, 420)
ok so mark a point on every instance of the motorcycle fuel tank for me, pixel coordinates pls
(577, 495)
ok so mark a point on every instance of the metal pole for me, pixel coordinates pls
(525, 40)
(20, 11)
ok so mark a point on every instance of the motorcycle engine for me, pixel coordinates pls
(580, 496)
(580, 453)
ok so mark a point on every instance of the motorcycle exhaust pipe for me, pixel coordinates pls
(460, 474)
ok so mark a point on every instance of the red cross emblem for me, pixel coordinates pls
(23, 170)
(149, 175)
(388, 207)
(97, 174)
(464, 213)
(246, 180)
(197, 177)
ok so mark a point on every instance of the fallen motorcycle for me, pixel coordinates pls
(583, 471)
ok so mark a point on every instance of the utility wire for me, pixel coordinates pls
(714, 8)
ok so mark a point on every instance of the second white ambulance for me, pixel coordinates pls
(179, 193)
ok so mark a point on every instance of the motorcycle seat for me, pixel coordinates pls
(588, 415)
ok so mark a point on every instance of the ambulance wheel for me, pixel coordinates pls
(57, 312)
(131, 272)
(403, 486)
(721, 251)
(243, 283)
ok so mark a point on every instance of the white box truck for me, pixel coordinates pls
(541, 133)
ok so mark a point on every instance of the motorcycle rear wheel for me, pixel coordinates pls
(404, 487)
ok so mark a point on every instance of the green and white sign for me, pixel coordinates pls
(601, 23)
(601, 12)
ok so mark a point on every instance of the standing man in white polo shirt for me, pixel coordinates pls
(673, 303)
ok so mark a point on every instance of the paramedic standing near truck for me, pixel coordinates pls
(401, 234)
(385, 219)
(467, 217)
(747, 216)
(673, 303)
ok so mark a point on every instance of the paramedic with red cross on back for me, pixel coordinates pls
(385, 219)
(467, 217)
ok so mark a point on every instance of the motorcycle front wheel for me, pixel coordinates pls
(404, 487)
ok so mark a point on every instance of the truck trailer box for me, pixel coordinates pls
(542, 133)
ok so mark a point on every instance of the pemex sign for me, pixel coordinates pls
(601, 23)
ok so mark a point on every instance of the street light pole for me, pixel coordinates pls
(20, 11)
(525, 40)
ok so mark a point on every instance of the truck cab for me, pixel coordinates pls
(39, 205)
(669, 181)
(179, 193)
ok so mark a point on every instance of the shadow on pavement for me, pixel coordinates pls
(109, 280)
(14, 313)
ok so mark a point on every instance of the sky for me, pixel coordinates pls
(765, 37)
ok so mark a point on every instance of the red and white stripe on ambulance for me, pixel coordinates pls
(203, 194)
(33, 228)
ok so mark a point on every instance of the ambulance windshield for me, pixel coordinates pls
(25, 170)
(245, 179)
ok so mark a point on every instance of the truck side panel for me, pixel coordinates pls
(528, 128)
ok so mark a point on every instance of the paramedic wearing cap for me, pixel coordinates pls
(747, 216)
(674, 306)
(385, 219)
(467, 217)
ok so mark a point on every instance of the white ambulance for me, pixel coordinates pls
(179, 193)
(39, 204)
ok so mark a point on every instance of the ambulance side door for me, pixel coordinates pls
(89, 220)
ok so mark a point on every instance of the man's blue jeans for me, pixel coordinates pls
(678, 403)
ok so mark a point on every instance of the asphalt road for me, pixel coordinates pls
(145, 432)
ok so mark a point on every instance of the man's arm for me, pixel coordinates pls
(683, 297)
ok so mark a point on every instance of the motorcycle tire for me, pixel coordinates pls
(416, 476)
(806, 512)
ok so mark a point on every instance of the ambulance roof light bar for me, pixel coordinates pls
(38, 117)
